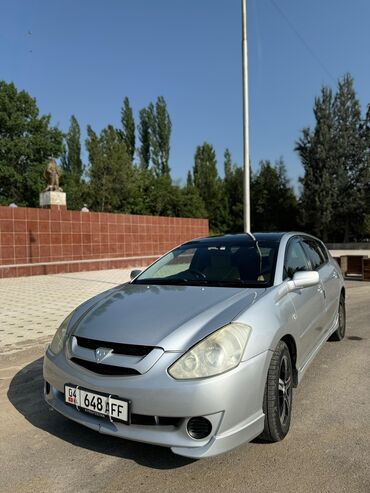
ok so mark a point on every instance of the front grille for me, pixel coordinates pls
(118, 348)
(103, 369)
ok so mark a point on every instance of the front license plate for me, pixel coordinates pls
(99, 404)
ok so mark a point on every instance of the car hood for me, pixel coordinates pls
(171, 317)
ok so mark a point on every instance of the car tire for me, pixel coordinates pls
(339, 334)
(278, 397)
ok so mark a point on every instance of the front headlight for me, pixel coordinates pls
(219, 352)
(60, 336)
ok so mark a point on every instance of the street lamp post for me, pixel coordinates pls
(246, 187)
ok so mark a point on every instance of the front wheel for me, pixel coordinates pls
(339, 334)
(278, 397)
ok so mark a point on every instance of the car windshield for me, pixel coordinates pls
(215, 263)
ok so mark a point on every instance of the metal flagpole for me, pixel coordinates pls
(246, 187)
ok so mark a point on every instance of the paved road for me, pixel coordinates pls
(327, 450)
(33, 307)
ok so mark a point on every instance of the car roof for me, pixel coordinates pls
(243, 238)
(269, 236)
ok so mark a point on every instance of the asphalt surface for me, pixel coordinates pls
(327, 449)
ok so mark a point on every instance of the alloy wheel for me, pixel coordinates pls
(285, 390)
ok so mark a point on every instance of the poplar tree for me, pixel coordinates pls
(72, 166)
(228, 164)
(160, 133)
(110, 170)
(128, 128)
(144, 137)
(209, 186)
(190, 202)
(189, 179)
(233, 191)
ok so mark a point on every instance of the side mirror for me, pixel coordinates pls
(304, 279)
(134, 273)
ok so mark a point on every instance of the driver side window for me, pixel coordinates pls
(295, 259)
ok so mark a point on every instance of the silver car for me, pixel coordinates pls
(200, 352)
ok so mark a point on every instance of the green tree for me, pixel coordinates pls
(316, 149)
(335, 159)
(163, 196)
(155, 195)
(72, 166)
(228, 163)
(274, 204)
(128, 128)
(365, 136)
(140, 192)
(27, 141)
(189, 179)
(144, 137)
(351, 162)
(189, 202)
(160, 133)
(233, 191)
(209, 186)
(110, 170)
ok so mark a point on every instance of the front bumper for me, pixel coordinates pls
(232, 402)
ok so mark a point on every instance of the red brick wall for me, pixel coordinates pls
(44, 241)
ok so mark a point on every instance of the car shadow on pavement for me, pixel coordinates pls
(26, 395)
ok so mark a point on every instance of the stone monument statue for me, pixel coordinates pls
(53, 195)
(52, 174)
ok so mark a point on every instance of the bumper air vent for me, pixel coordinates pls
(140, 419)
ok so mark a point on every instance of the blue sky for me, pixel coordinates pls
(82, 57)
